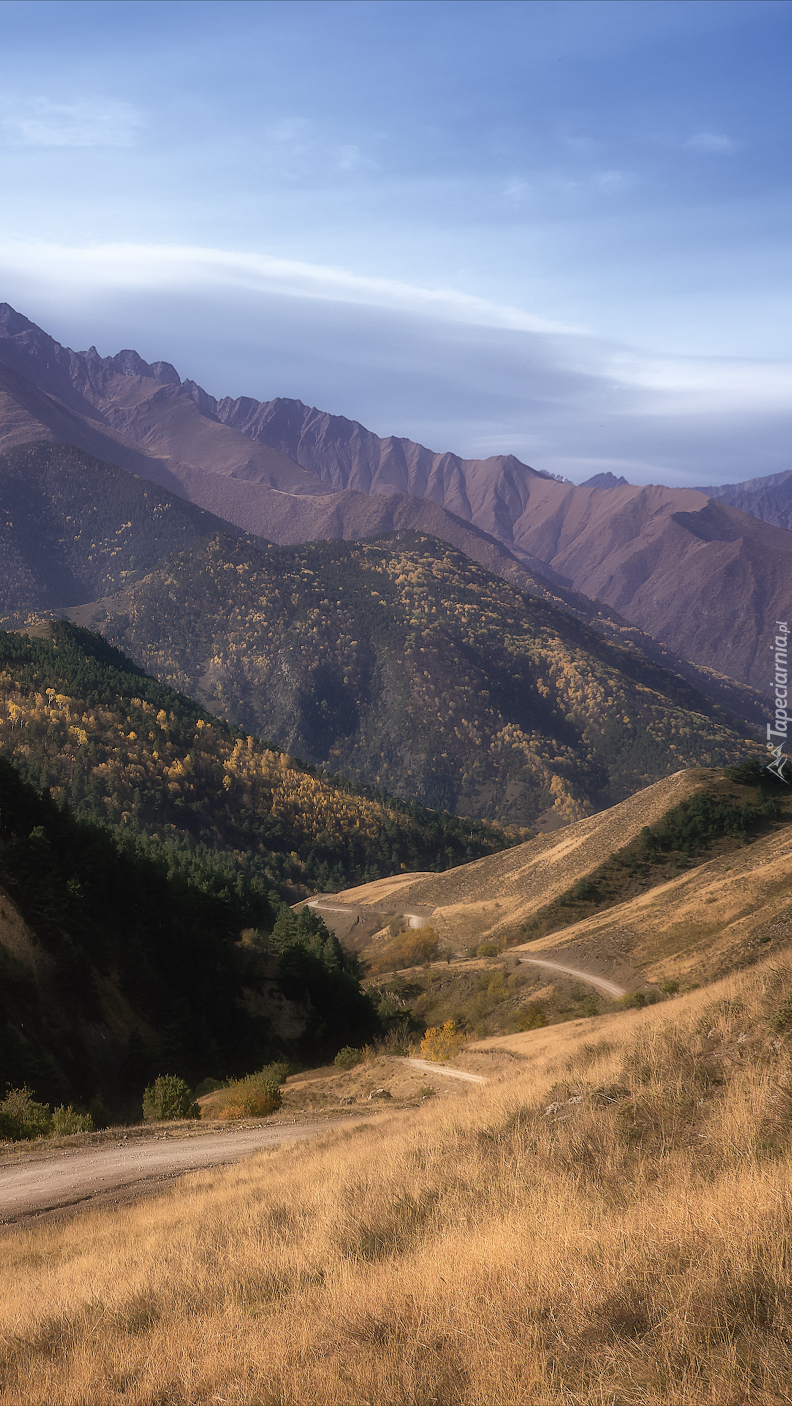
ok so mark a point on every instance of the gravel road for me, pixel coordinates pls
(444, 1069)
(609, 987)
(58, 1181)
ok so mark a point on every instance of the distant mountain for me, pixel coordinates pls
(402, 664)
(769, 499)
(285, 471)
(73, 529)
(607, 480)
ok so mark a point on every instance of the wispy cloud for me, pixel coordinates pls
(712, 143)
(124, 266)
(437, 364)
(41, 122)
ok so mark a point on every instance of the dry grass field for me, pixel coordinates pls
(609, 1220)
(462, 901)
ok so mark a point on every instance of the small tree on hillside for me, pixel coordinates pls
(168, 1098)
(441, 1042)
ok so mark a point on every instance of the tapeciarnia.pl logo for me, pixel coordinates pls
(780, 725)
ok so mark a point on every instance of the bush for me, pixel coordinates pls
(347, 1058)
(670, 987)
(254, 1097)
(407, 949)
(781, 1019)
(67, 1120)
(441, 1042)
(488, 949)
(633, 1000)
(168, 1098)
(531, 1016)
(21, 1118)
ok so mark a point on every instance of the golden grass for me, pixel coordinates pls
(631, 1245)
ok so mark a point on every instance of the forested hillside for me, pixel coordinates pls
(403, 664)
(124, 967)
(121, 748)
(141, 886)
(73, 528)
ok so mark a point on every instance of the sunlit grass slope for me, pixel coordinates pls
(610, 1223)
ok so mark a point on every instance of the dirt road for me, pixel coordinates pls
(609, 987)
(59, 1181)
(444, 1069)
(414, 918)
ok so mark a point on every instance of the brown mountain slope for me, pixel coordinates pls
(646, 552)
(653, 553)
(267, 466)
(107, 405)
(490, 897)
(492, 492)
(768, 498)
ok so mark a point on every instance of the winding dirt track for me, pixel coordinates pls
(609, 987)
(448, 1073)
(59, 1181)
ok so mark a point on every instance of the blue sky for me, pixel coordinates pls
(555, 229)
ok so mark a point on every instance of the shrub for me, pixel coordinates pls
(256, 1096)
(98, 1113)
(670, 987)
(585, 890)
(347, 1058)
(633, 1000)
(21, 1118)
(531, 1016)
(67, 1120)
(488, 949)
(781, 1019)
(441, 1042)
(407, 949)
(168, 1098)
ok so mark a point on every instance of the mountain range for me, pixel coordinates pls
(398, 662)
(281, 470)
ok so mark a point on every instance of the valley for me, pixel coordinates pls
(402, 818)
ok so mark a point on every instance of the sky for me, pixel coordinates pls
(542, 227)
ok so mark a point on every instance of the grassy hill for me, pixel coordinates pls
(548, 882)
(608, 1221)
(677, 885)
(403, 664)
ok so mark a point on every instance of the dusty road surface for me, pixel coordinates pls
(444, 1069)
(59, 1181)
(609, 987)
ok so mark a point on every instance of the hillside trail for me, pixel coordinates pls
(609, 987)
(414, 919)
(448, 1073)
(58, 1181)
